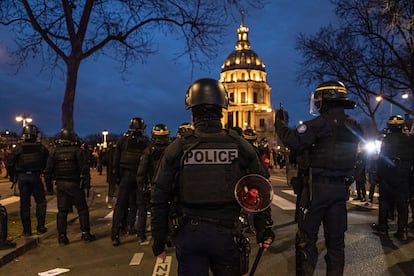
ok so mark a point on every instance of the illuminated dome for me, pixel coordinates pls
(243, 57)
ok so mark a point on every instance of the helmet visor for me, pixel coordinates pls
(313, 109)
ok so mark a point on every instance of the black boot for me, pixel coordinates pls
(115, 237)
(87, 236)
(379, 229)
(401, 234)
(63, 240)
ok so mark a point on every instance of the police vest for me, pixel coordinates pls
(336, 152)
(131, 152)
(398, 146)
(31, 158)
(210, 169)
(66, 167)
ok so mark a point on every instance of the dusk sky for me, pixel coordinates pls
(155, 90)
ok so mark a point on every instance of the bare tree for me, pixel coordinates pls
(371, 49)
(74, 30)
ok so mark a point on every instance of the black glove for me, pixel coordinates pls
(261, 236)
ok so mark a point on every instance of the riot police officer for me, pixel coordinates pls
(27, 162)
(202, 189)
(332, 147)
(68, 166)
(160, 139)
(128, 151)
(394, 168)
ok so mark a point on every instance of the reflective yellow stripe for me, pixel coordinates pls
(396, 122)
(338, 88)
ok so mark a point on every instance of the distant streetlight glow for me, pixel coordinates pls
(104, 133)
(24, 119)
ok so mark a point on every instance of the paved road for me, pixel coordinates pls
(366, 253)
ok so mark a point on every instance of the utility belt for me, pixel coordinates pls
(28, 172)
(195, 220)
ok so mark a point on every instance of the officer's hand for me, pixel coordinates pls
(265, 238)
(162, 256)
(266, 244)
(158, 248)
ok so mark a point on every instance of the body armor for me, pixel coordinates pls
(210, 169)
(337, 151)
(31, 158)
(66, 167)
(131, 152)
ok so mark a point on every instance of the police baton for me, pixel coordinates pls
(256, 261)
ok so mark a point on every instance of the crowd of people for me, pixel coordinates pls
(187, 184)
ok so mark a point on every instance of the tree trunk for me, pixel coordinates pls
(69, 98)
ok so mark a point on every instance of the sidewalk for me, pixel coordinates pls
(24, 244)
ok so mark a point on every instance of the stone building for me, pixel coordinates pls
(244, 76)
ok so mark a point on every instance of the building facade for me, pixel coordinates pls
(244, 76)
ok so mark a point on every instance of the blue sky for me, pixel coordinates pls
(106, 99)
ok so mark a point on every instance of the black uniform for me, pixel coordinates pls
(111, 178)
(68, 166)
(196, 182)
(198, 173)
(148, 164)
(394, 169)
(360, 176)
(127, 154)
(27, 162)
(332, 151)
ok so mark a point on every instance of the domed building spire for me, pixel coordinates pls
(243, 36)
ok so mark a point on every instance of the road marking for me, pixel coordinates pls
(162, 268)
(283, 203)
(278, 178)
(9, 200)
(136, 259)
(289, 192)
(109, 216)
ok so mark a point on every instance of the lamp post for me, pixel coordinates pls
(105, 133)
(24, 119)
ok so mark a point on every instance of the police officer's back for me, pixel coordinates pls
(26, 163)
(198, 174)
(68, 166)
(332, 147)
(127, 154)
(150, 159)
(393, 169)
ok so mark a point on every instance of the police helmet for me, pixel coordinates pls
(137, 125)
(206, 91)
(68, 135)
(30, 132)
(249, 134)
(184, 128)
(396, 123)
(160, 130)
(331, 92)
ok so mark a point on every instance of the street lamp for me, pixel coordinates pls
(24, 119)
(105, 133)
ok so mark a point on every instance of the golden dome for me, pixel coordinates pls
(243, 57)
